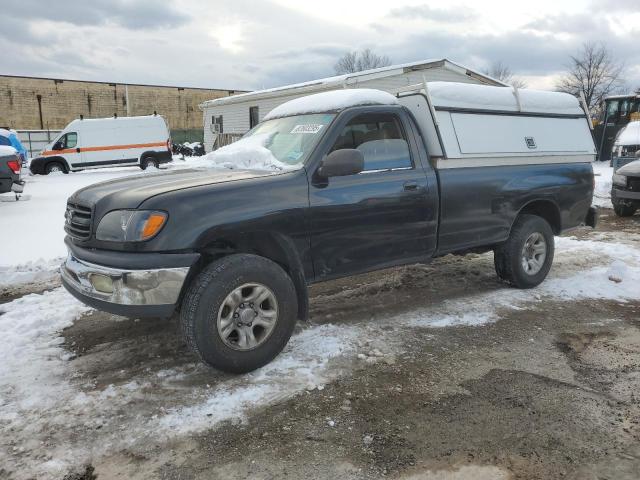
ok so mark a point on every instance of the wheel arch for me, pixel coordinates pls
(44, 161)
(271, 245)
(146, 154)
(543, 208)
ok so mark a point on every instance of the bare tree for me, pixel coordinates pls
(358, 61)
(500, 71)
(594, 72)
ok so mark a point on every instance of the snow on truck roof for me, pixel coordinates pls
(332, 101)
(483, 97)
(7, 150)
(447, 95)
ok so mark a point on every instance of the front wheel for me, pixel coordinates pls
(54, 167)
(239, 312)
(148, 161)
(623, 209)
(525, 259)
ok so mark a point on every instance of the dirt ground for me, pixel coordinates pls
(549, 391)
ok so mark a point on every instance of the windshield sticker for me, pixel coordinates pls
(310, 128)
(294, 155)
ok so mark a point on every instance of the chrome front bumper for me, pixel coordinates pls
(158, 287)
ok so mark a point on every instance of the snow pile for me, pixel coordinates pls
(247, 153)
(331, 101)
(465, 95)
(602, 194)
(303, 365)
(32, 360)
(37, 271)
(629, 135)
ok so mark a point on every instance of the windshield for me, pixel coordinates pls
(291, 139)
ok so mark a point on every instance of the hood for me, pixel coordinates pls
(130, 192)
(630, 169)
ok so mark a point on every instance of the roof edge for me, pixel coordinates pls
(329, 82)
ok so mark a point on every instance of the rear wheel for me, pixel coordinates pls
(239, 312)
(148, 161)
(54, 167)
(624, 210)
(525, 259)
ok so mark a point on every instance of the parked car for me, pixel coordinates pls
(625, 191)
(350, 181)
(10, 138)
(106, 142)
(626, 145)
(10, 166)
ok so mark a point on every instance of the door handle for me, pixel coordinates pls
(410, 185)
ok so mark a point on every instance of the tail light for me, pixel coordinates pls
(14, 166)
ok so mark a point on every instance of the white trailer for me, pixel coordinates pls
(228, 118)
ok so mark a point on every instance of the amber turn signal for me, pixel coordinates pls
(153, 225)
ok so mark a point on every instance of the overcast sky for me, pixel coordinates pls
(244, 44)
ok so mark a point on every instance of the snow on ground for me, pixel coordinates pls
(43, 400)
(31, 241)
(602, 194)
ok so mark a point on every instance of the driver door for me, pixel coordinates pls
(67, 147)
(380, 217)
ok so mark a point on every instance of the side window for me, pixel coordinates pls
(253, 117)
(381, 140)
(612, 111)
(216, 124)
(624, 108)
(68, 140)
(71, 140)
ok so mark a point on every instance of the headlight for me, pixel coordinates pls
(620, 180)
(130, 225)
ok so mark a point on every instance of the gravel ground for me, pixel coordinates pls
(548, 389)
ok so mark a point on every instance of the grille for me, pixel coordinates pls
(634, 184)
(77, 221)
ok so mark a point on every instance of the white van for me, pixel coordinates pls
(106, 142)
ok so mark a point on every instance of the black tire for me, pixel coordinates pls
(624, 210)
(205, 296)
(148, 161)
(508, 257)
(53, 167)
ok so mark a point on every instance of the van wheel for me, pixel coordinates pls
(525, 259)
(148, 162)
(239, 312)
(624, 210)
(54, 167)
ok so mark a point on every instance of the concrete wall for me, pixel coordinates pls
(28, 103)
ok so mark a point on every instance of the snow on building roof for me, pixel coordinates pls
(344, 80)
(484, 97)
(332, 101)
(629, 135)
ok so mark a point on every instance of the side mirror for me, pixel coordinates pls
(339, 163)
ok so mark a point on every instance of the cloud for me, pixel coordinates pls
(275, 45)
(131, 14)
(425, 12)
(616, 6)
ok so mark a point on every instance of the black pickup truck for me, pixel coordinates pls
(351, 186)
